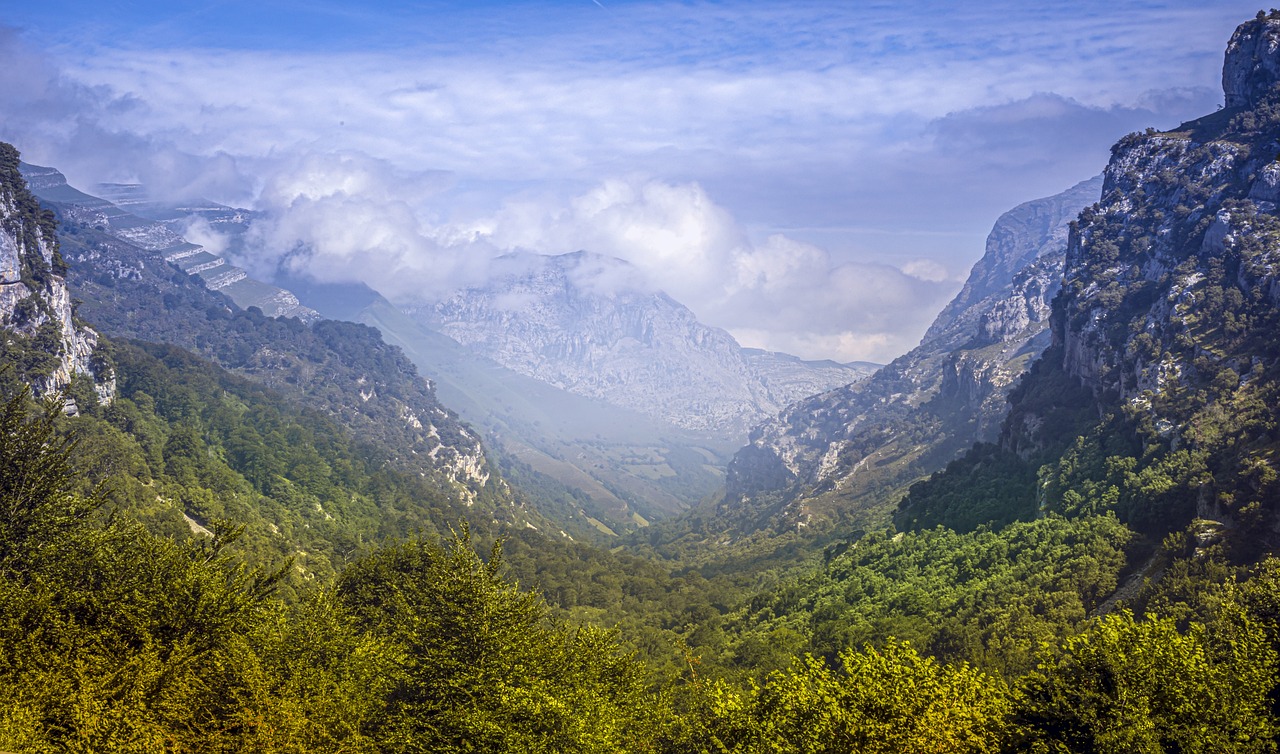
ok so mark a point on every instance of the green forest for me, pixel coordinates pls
(117, 637)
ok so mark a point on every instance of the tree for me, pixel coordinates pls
(1139, 686)
(484, 667)
(884, 700)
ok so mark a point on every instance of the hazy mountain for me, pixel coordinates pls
(590, 325)
(578, 375)
(156, 227)
(587, 463)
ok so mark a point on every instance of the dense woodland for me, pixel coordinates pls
(117, 638)
(240, 552)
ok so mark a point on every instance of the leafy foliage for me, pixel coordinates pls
(881, 700)
(1128, 685)
(988, 597)
(115, 639)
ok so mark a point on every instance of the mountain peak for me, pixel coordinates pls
(1252, 64)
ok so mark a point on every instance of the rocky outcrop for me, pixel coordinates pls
(1178, 208)
(854, 447)
(589, 325)
(1156, 400)
(42, 336)
(1252, 65)
(1172, 265)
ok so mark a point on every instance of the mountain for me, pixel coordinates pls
(42, 336)
(590, 325)
(591, 449)
(596, 468)
(1157, 397)
(156, 227)
(844, 453)
(132, 286)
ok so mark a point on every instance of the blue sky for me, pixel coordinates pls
(814, 177)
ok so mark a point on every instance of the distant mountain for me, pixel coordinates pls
(843, 455)
(590, 325)
(593, 467)
(575, 390)
(125, 212)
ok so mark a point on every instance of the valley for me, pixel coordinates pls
(248, 508)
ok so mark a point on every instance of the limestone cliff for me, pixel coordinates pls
(1187, 216)
(1157, 396)
(42, 337)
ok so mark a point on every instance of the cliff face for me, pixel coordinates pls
(848, 450)
(1188, 218)
(586, 324)
(1164, 334)
(41, 333)
(1252, 66)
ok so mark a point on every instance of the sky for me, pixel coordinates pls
(814, 177)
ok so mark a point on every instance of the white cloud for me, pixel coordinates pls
(339, 217)
(684, 137)
(780, 293)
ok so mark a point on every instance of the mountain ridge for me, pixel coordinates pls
(590, 324)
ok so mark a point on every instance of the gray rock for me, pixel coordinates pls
(854, 446)
(30, 301)
(1252, 63)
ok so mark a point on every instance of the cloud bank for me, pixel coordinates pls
(814, 177)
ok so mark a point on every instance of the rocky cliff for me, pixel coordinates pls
(589, 325)
(42, 337)
(1165, 331)
(846, 452)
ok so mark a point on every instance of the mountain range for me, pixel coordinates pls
(604, 460)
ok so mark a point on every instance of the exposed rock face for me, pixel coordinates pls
(1252, 65)
(1188, 219)
(854, 446)
(35, 305)
(1157, 397)
(155, 227)
(587, 324)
